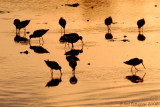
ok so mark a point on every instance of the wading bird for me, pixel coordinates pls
(62, 22)
(53, 65)
(108, 22)
(38, 33)
(21, 24)
(134, 62)
(72, 38)
(140, 24)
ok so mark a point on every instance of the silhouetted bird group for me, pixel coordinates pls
(71, 55)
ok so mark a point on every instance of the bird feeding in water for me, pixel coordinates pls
(140, 24)
(62, 22)
(134, 62)
(20, 24)
(108, 22)
(72, 38)
(38, 33)
(53, 65)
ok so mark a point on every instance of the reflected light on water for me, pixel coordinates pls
(93, 74)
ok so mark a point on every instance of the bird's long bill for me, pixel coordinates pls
(82, 42)
(143, 66)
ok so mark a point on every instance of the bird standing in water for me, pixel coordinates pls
(72, 38)
(17, 23)
(21, 24)
(108, 22)
(53, 65)
(38, 33)
(134, 62)
(140, 24)
(62, 22)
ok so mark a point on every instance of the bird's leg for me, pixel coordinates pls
(139, 30)
(24, 32)
(131, 70)
(42, 39)
(136, 68)
(16, 31)
(142, 29)
(61, 31)
(72, 45)
(64, 30)
(51, 73)
(60, 71)
(108, 28)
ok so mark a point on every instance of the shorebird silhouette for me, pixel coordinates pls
(72, 38)
(134, 62)
(62, 22)
(140, 24)
(108, 22)
(21, 24)
(38, 33)
(53, 65)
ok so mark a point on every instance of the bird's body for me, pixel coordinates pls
(38, 33)
(53, 65)
(134, 62)
(108, 21)
(23, 24)
(20, 24)
(72, 38)
(140, 24)
(62, 22)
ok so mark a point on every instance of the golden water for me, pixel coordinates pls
(100, 72)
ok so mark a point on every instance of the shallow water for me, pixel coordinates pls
(100, 72)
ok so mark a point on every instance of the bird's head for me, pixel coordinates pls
(31, 36)
(81, 38)
(141, 61)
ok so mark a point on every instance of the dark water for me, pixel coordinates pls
(100, 70)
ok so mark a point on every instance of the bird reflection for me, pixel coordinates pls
(20, 39)
(38, 49)
(54, 81)
(74, 52)
(71, 57)
(73, 78)
(141, 37)
(135, 78)
(108, 35)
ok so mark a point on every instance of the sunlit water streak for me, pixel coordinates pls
(100, 71)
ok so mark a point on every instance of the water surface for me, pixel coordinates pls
(100, 72)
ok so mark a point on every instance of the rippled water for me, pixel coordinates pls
(100, 72)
